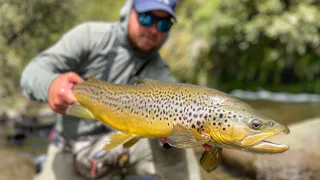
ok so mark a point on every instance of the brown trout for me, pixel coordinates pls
(187, 115)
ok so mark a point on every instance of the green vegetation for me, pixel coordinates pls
(227, 44)
(248, 44)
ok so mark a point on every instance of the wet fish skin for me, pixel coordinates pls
(188, 115)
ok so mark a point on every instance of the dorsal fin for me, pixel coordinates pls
(92, 78)
(141, 80)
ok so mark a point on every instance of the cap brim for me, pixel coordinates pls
(154, 5)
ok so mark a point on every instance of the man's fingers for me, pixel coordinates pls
(163, 140)
(74, 78)
(66, 95)
(61, 108)
(207, 147)
(164, 143)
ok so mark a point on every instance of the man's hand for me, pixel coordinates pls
(205, 146)
(60, 92)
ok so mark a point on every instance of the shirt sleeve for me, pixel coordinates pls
(64, 56)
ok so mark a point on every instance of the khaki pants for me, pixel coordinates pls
(146, 157)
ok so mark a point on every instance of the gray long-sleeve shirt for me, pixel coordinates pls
(103, 50)
(100, 49)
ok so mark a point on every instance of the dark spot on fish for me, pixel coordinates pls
(220, 115)
(193, 126)
(198, 123)
(224, 129)
(243, 110)
(214, 123)
(219, 124)
(226, 121)
(228, 125)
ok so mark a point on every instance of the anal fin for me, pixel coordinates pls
(184, 137)
(116, 139)
(77, 110)
(131, 142)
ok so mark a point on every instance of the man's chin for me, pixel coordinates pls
(146, 47)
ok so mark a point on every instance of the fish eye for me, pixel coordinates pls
(255, 124)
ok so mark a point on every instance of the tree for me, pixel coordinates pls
(249, 44)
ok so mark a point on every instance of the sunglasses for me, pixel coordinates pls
(147, 19)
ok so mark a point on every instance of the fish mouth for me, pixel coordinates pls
(268, 147)
(258, 144)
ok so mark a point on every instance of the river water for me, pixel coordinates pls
(35, 142)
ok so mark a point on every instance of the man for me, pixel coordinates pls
(114, 52)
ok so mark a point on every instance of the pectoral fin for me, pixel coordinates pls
(116, 139)
(210, 159)
(183, 137)
(77, 110)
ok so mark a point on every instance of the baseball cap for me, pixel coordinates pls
(149, 5)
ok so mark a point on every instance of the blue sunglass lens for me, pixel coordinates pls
(145, 19)
(163, 25)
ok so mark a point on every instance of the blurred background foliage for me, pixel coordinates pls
(245, 44)
(248, 44)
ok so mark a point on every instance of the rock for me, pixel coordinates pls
(15, 166)
(301, 161)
